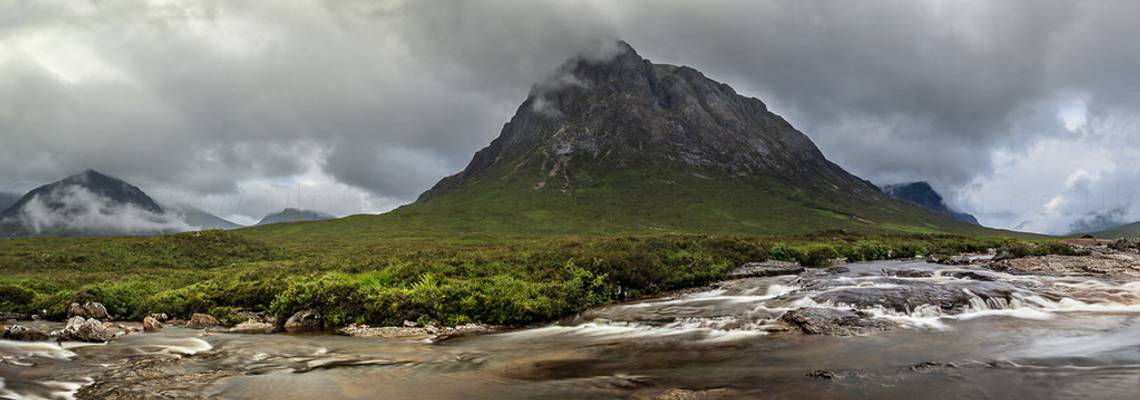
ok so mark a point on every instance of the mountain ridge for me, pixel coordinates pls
(294, 215)
(923, 194)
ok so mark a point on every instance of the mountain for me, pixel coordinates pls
(922, 194)
(88, 203)
(1123, 231)
(294, 215)
(7, 200)
(200, 219)
(614, 143)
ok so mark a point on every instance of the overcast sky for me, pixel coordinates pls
(1024, 113)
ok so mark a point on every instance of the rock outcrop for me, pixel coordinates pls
(765, 269)
(202, 321)
(83, 330)
(304, 321)
(25, 334)
(88, 310)
(834, 322)
(151, 324)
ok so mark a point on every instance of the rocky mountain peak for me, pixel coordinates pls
(611, 110)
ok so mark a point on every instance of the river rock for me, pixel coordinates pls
(908, 273)
(948, 260)
(202, 321)
(685, 394)
(765, 269)
(151, 324)
(1123, 245)
(254, 326)
(83, 330)
(25, 334)
(1112, 264)
(834, 322)
(304, 321)
(88, 310)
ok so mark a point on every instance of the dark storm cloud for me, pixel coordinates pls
(377, 100)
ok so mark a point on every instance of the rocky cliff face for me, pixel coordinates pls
(624, 112)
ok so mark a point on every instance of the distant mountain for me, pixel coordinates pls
(294, 215)
(200, 219)
(1123, 231)
(922, 194)
(88, 203)
(7, 200)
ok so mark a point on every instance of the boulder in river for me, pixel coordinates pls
(834, 322)
(88, 310)
(254, 326)
(304, 321)
(25, 334)
(151, 324)
(1123, 245)
(765, 269)
(83, 330)
(202, 321)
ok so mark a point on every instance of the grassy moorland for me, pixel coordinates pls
(475, 278)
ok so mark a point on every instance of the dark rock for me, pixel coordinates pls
(765, 269)
(25, 334)
(822, 374)
(834, 322)
(948, 296)
(929, 367)
(202, 321)
(88, 310)
(304, 321)
(1123, 245)
(948, 260)
(838, 270)
(908, 273)
(974, 275)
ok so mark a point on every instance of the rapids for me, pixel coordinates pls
(935, 332)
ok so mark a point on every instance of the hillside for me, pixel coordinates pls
(621, 145)
(1124, 231)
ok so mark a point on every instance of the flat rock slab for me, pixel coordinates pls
(834, 322)
(765, 269)
(1111, 264)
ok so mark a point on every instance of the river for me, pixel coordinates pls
(926, 331)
